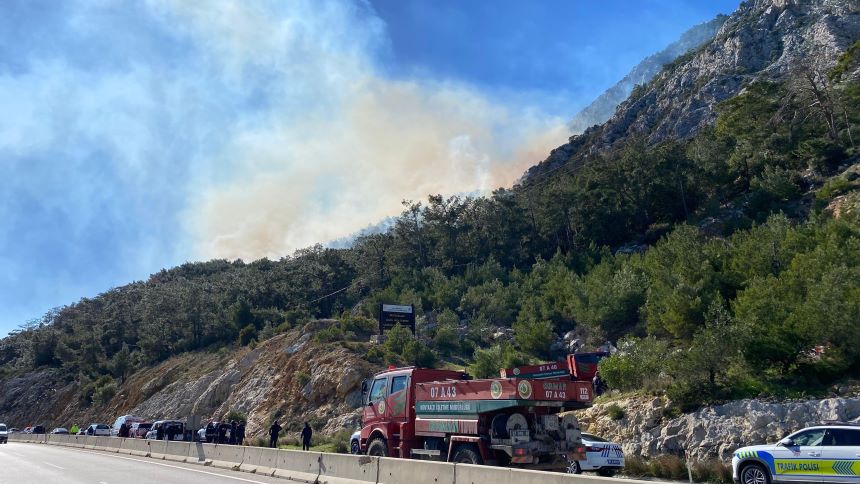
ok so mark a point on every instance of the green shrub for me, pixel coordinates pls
(534, 337)
(639, 364)
(330, 334)
(303, 378)
(417, 354)
(236, 415)
(247, 334)
(615, 412)
(671, 411)
(832, 188)
(396, 339)
(488, 362)
(446, 340)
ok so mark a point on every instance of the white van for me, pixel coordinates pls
(4, 434)
(125, 419)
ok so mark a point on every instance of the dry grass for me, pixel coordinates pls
(675, 468)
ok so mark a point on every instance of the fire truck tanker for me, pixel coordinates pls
(446, 415)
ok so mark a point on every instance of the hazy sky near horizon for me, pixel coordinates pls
(137, 135)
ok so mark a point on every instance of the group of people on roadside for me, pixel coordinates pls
(275, 431)
(232, 433)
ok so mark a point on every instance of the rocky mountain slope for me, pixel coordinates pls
(647, 428)
(602, 108)
(763, 39)
(290, 377)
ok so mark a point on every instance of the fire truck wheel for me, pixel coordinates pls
(467, 454)
(377, 447)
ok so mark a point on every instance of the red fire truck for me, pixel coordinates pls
(446, 415)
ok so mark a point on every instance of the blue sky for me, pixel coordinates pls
(138, 135)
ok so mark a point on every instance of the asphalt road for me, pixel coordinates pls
(22, 463)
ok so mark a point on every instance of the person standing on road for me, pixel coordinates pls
(307, 433)
(274, 430)
(75, 429)
(233, 427)
(222, 433)
(159, 432)
(123, 430)
(240, 433)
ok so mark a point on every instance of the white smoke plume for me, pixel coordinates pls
(338, 144)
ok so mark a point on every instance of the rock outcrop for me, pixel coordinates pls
(648, 429)
(290, 377)
(762, 39)
(602, 108)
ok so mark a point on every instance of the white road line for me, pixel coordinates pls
(52, 465)
(178, 467)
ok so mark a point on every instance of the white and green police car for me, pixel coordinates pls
(821, 454)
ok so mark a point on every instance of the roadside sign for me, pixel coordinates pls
(391, 315)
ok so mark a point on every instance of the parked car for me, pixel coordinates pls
(125, 419)
(98, 429)
(167, 430)
(601, 455)
(38, 429)
(824, 453)
(60, 431)
(354, 443)
(13, 430)
(139, 429)
(4, 434)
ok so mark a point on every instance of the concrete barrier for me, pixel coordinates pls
(200, 453)
(227, 456)
(90, 442)
(177, 451)
(393, 471)
(260, 460)
(316, 467)
(113, 444)
(157, 449)
(298, 465)
(346, 469)
(472, 474)
(136, 447)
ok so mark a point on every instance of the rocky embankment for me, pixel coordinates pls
(649, 429)
(290, 377)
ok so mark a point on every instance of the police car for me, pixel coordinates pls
(822, 454)
(601, 455)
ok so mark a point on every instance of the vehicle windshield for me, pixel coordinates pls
(593, 438)
(2, 428)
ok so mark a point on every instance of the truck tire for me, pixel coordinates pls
(467, 454)
(377, 447)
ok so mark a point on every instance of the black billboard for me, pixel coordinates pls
(390, 315)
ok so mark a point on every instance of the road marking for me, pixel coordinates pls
(52, 465)
(177, 467)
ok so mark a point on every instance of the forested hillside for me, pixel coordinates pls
(722, 265)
